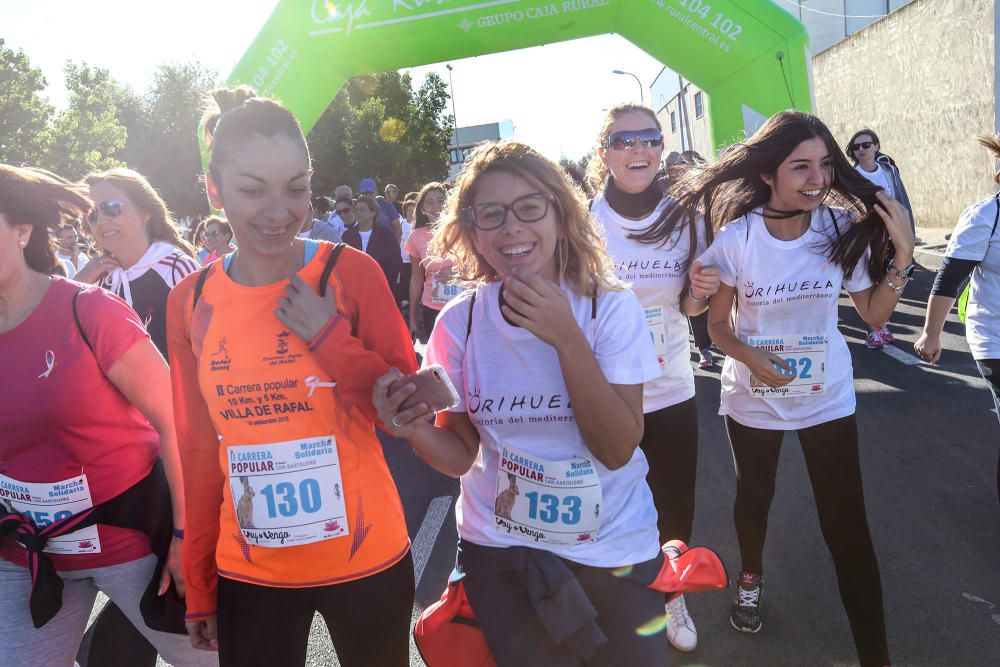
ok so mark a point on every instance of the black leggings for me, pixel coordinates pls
(990, 370)
(831, 453)
(368, 620)
(699, 328)
(670, 443)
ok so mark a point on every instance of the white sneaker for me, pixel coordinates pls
(680, 628)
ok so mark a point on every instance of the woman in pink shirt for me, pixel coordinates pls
(86, 414)
(430, 279)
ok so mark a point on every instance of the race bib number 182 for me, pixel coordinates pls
(805, 354)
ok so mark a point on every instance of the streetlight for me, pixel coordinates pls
(642, 98)
(454, 116)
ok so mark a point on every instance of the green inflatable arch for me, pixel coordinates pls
(749, 56)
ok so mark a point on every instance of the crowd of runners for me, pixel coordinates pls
(222, 480)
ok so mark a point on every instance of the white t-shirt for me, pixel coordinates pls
(505, 374)
(657, 277)
(879, 177)
(365, 237)
(786, 288)
(71, 268)
(407, 230)
(972, 239)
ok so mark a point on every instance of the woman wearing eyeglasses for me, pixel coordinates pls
(144, 255)
(548, 353)
(218, 239)
(670, 286)
(865, 152)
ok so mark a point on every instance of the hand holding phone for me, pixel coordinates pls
(434, 388)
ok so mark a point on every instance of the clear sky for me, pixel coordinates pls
(554, 95)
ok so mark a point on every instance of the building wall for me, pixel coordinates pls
(923, 78)
(699, 140)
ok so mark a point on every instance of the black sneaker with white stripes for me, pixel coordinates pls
(745, 616)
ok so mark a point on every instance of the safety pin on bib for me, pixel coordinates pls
(314, 383)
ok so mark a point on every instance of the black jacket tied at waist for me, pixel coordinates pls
(144, 507)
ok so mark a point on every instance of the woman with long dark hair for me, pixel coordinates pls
(785, 246)
(968, 254)
(669, 285)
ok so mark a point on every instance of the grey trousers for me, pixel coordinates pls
(56, 643)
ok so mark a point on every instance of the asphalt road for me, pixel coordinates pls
(929, 441)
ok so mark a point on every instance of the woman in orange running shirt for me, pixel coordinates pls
(274, 352)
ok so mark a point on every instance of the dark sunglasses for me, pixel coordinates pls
(527, 208)
(217, 232)
(342, 211)
(650, 138)
(110, 208)
(864, 144)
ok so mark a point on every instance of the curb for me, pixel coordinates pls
(929, 256)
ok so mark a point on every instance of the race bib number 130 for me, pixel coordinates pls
(288, 493)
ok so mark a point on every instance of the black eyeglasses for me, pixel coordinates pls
(650, 138)
(109, 208)
(864, 144)
(527, 208)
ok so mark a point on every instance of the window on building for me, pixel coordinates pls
(673, 122)
(699, 105)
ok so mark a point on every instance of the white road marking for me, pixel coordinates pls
(437, 511)
(901, 357)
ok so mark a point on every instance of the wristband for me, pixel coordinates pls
(179, 533)
(696, 299)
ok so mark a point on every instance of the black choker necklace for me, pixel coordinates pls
(634, 205)
(504, 302)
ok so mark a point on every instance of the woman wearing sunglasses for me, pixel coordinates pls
(375, 240)
(87, 415)
(218, 239)
(865, 152)
(670, 286)
(548, 352)
(784, 254)
(144, 255)
(274, 351)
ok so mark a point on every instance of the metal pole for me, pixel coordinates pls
(454, 116)
(685, 121)
(642, 97)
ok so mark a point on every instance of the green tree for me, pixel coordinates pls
(162, 140)
(87, 135)
(378, 126)
(24, 113)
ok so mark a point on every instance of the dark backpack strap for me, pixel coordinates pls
(996, 216)
(79, 325)
(331, 261)
(199, 285)
(468, 326)
(593, 307)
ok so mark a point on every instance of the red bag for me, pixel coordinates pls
(695, 569)
(447, 634)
